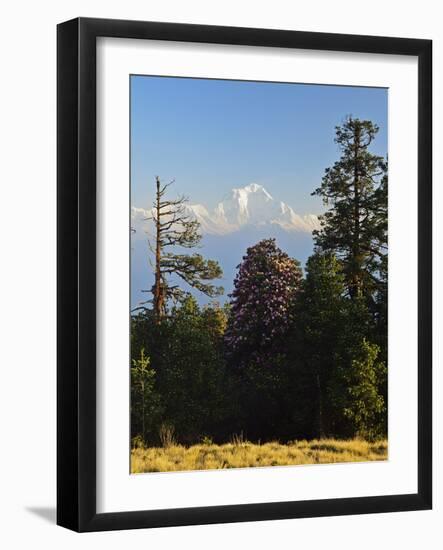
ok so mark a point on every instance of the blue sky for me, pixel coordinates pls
(213, 135)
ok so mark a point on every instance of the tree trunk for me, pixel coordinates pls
(320, 427)
(158, 290)
(143, 411)
(355, 289)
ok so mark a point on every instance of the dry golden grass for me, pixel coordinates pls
(246, 455)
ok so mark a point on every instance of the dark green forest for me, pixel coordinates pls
(295, 353)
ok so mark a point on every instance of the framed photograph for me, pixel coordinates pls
(244, 274)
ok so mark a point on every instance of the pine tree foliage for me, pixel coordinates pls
(321, 316)
(339, 369)
(364, 401)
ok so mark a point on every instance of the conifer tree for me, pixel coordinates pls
(321, 316)
(340, 375)
(355, 226)
(175, 228)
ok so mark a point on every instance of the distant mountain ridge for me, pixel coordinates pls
(249, 206)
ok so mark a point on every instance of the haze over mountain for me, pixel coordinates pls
(244, 217)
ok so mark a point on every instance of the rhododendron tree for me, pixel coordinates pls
(262, 304)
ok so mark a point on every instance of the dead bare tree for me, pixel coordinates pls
(174, 227)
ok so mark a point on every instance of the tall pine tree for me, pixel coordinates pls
(355, 226)
(355, 229)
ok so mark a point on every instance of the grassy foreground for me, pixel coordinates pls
(247, 455)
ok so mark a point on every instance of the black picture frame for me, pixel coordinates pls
(76, 280)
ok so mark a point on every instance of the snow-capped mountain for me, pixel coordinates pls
(250, 206)
(244, 217)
